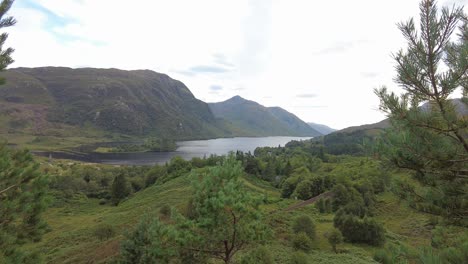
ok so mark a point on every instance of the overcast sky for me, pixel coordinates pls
(319, 59)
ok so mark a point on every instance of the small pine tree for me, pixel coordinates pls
(119, 189)
(150, 242)
(334, 237)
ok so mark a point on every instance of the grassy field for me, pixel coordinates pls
(72, 225)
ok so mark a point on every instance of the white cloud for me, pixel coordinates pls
(268, 51)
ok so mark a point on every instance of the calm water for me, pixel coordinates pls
(186, 149)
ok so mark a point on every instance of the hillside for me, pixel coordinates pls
(74, 218)
(253, 119)
(323, 129)
(127, 102)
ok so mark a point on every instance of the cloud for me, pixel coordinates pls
(340, 47)
(238, 89)
(310, 106)
(307, 95)
(216, 87)
(207, 69)
(369, 74)
(222, 60)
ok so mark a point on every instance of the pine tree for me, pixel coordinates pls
(226, 216)
(5, 21)
(431, 140)
(22, 187)
(22, 201)
(119, 189)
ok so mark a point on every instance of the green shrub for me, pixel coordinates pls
(303, 190)
(104, 232)
(381, 256)
(320, 205)
(304, 224)
(165, 210)
(299, 258)
(302, 242)
(260, 255)
(334, 237)
(357, 230)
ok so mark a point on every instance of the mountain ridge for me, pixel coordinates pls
(253, 118)
(64, 102)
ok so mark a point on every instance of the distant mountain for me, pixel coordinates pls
(142, 102)
(323, 129)
(252, 119)
(350, 140)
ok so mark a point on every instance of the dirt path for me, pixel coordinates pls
(306, 202)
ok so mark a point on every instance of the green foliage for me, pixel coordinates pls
(150, 144)
(119, 189)
(165, 210)
(302, 190)
(381, 256)
(344, 194)
(357, 230)
(155, 173)
(226, 217)
(301, 241)
(431, 139)
(150, 242)
(304, 224)
(260, 255)
(23, 191)
(299, 258)
(324, 205)
(104, 231)
(335, 238)
(5, 21)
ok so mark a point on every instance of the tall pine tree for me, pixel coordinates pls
(22, 186)
(22, 201)
(5, 21)
(429, 132)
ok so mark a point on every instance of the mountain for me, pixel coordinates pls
(350, 140)
(136, 103)
(252, 119)
(323, 129)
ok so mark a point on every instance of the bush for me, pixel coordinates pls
(320, 205)
(104, 232)
(356, 230)
(299, 258)
(287, 188)
(381, 256)
(260, 255)
(304, 224)
(165, 210)
(302, 242)
(303, 190)
(150, 242)
(334, 238)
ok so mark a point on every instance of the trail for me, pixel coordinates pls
(306, 202)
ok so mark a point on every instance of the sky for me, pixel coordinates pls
(318, 59)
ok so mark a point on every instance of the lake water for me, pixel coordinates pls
(186, 150)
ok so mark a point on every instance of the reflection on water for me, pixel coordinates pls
(186, 149)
